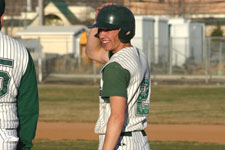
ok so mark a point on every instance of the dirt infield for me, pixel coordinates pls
(156, 132)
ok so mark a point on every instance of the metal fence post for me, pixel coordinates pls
(220, 72)
(207, 48)
(39, 69)
(170, 53)
(149, 52)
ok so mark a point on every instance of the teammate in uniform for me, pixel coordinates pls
(18, 94)
(125, 80)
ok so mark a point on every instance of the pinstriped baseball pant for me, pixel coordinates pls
(8, 139)
(135, 142)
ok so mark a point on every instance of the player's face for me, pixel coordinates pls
(110, 40)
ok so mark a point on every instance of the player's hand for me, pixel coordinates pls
(99, 8)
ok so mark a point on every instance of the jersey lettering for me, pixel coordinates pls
(4, 76)
(142, 104)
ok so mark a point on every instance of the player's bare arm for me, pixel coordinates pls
(115, 123)
(94, 49)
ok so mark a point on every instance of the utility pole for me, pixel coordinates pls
(29, 5)
(41, 13)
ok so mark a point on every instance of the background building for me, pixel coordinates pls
(57, 39)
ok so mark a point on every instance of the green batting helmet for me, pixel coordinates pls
(2, 7)
(117, 17)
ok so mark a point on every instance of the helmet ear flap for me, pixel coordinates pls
(125, 35)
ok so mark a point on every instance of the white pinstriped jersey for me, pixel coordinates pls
(138, 91)
(13, 63)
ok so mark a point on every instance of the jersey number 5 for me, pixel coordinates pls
(4, 76)
(142, 103)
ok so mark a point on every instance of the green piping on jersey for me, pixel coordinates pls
(5, 62)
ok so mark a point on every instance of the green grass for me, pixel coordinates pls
(65, 145)
(169, 105)
(186, 146)
(68, 93)
(68, 103)
(187, 105)
(92, 145)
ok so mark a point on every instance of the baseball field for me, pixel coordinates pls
(181, 118)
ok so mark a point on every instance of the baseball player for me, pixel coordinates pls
(125, 80)
(18, 94)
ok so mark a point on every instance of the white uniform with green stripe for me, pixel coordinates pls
(18, 100)
(10, 66)
(138, 93)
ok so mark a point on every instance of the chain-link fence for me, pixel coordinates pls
(176, 60)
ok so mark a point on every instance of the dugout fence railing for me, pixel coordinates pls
(176, 60)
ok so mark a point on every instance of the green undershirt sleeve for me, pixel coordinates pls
(28, 107)
(116, 80)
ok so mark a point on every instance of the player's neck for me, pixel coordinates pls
(122, 46)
